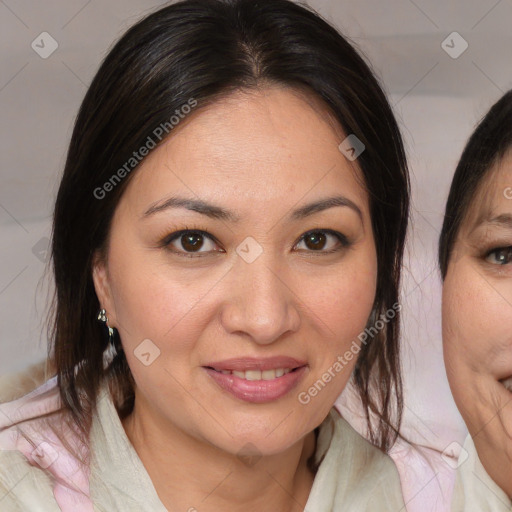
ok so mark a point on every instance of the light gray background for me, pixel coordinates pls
(438, 100)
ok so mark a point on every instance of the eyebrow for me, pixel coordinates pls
(217, 212)
(502, 220)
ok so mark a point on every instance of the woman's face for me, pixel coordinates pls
(224, 327)
(477, 323)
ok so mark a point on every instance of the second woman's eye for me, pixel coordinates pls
(500, 256)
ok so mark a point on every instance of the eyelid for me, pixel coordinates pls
(495, 248)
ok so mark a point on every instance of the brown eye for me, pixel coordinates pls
(317, 241)
(190, 242)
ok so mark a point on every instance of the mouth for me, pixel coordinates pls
(507, 383)
(257, 380)
(251, 368)
(257, 374)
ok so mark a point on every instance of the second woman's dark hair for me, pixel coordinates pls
(487, 145)
(204, 50)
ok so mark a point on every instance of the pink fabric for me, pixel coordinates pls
(71, 484)
(427, 475)
(427, 479)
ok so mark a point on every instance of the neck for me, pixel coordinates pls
(191, 474)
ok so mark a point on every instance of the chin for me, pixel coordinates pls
(257, 445)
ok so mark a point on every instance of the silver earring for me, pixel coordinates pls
(110, 351)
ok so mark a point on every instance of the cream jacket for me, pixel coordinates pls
(474, 490)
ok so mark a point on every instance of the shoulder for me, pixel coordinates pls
(364, 453)
(25, 396)
(33, 458)
(354, 475)
(23, 486)
(16, 385)
(474, 489)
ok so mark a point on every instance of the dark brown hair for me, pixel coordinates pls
(207, 49)
(488, 144)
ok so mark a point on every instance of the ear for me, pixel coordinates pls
(101, 279)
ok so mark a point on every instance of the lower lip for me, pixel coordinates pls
(257, 391)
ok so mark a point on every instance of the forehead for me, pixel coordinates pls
(251, 148)
(493, 196)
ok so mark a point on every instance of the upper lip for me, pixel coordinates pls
(242, 364)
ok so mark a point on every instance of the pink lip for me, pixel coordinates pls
(257, 391)
(242, 364)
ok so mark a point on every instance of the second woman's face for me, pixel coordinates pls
(477, 323)
(236, 300)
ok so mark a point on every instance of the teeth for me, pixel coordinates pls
(258, 374)
(268, 374)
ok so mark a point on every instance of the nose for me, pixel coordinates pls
(262, 303)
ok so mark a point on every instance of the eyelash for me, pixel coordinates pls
(168, 239)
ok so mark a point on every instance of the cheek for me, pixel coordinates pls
(346, 303)
(458, 320)
(477, 322)
(342, 306)
(151, 301)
